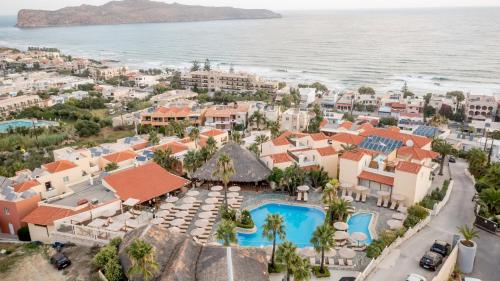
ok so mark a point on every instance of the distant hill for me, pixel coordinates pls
(134, 11)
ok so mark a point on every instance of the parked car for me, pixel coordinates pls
(431, 260)
(470, 279)
(441, 247)
(415, 277)
(452, 159)
(347, 279)
(60, 261)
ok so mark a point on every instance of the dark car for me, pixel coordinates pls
(441, 247)
(60, 261)
(347, 279)
(431, 260)
(452, 160)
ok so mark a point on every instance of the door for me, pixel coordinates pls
(11, 229)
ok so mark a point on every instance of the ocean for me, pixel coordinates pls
(433, 50)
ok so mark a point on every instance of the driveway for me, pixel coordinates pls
(458, 211)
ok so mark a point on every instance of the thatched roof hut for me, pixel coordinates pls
(248, 168)
(181, 259)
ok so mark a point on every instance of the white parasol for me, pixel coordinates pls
(201, 223)
(234, 188)
(193, 193)
(214, 194)
(216, 188)
(340, 225)
(208, 207)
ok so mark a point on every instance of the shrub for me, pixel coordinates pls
(388, 236)
(427, 202)
(111, 166)
(411, 221)
(228, 214)
(245, 220)
(115, 242)
(372, 251)
(105, 255)
(113, 270)
(87, 128)
(274, 269)
(418, 211)
(24, 234)
(321, 274)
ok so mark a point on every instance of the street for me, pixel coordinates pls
(458, 211)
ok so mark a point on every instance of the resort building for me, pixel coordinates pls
(296, 120)
(215, 81)
(437, 101)
(163, 116)
(346, 101)
(480, 107)
(124, 159)
(307, 96)
(225, 117)
(172, 96)
(15, 104)
(107, 72)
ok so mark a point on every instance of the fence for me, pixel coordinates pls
(80, 234)
(438, 206)
(448, 266)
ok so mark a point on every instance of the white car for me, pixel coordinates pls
(415, 277)
(470, 279)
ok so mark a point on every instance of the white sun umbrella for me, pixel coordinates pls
(211, 200)
(399, 216)
(162, 213)
(234, 188)
(340, 225)
(331, 253)
(177, 222)
(181, 214)
(157, 220)
(346, 185)
(193, 193)
(347, 253)
(216, 188)
(340, 235)
(171, 199)
(398, 197)
(358, 236)
(189, 200)
(197, 231)
(308, 252)
(394, 224)
(205, 215)
(233, 194)
(232, 201)
(303, 188)
(201, 223)
(166, 206)
(174, 229)
(347, 198)
(214, 194)
(208, 207)
(185, 206)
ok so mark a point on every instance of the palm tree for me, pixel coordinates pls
(225, 170)
(274, 127)
(257, 118)
(194, 135)
(273, 227)
(322, 240)
(164, 158)
(154, 139)
(211, 146)
(260, 139)
(348, 147)
(226, 232)
(236, 137)
(329, 196)
(287, 257)
(142, 257)
(302, 270)
(293, 176)
(478, 161)
(443, 148)
(254, 147)
(490, 197)
(340, 207)
(468, 233)
(319, 178)
(192, 161)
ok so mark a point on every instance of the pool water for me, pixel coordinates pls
(300, 223)
(360, 222)
(4, 126)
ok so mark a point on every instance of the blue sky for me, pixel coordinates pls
(11, 7)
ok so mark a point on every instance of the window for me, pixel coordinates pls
(6, 211)
(48, 186)
(66, 179)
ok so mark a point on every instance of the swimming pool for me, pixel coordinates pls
(4, 126)
(360, 222)
(300, 223)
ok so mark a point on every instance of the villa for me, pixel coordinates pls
(294, 119)
(225, 117)
(162, 116)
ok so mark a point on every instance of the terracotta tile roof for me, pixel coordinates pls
(346, 124)
(174, 146)
(58, 166)
(354, 155)
(140, 146)
(416, 153)
(365, 126)
(144, 182)
(327, 150)
(283, 138)
(347, 138)
(323, 123)
(213, 133)
(418, 141)
(120, 156)
(172, 112)
(387, 180)
(225, 111)
(21, 187)
(408, 167)
(310, 167)
(46, 215)
(281, 158)
(319, 136)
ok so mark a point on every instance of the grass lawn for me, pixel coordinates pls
(101, 113)
(107, 134)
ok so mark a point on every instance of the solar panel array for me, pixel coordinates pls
(426, 131)
(381, 144)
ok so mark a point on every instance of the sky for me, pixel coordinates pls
(11, 7)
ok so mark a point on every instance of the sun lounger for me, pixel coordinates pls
(203, 236)
(312, 260)
(363, 197)
(379, 202)
(331, 261)
(358, 197)
(306, 196)
(393, 205)
(341, 262)
(350, 263)
(299, 196)
(386, 203)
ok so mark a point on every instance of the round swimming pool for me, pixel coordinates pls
(300, 223)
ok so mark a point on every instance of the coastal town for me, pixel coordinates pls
(208, 174)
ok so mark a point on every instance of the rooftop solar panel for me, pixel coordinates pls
(427, 131)
(381, 144)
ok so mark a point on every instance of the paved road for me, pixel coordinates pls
(458, 211)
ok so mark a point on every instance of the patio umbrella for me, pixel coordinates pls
(208, 207)
(346, 185)
(216, 188)
(347, 198)
(205, 215)
(233, 194)
(303, 188)
(308, 252)
(214, 194)
(185, 206)
(358, 236)
(211, 200)
(347, 253)
(177, 222)
(189, 200)
(234, 188)
(174, 229)
(383, 193)
(193, 193)
(340, 235)
(162, 213)
(331, 253)
(157, 220)
(181, 214)
(398, 197)
(197, 231)
(171, 199)
(166, 206)
(399, 216)
(361, 188)
(394, 224)
(340, 225)
(201, 223)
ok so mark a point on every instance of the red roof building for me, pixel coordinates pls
(58, 166)
(387, 180)
(120, 156)
(408, 167)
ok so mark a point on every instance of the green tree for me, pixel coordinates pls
(302, 270)
(329, 196)
(254, 147)
(443, 148)
(490, 198)
(236, 137)
(195, 66)
(194, 135)
(192, 161)
(154, 139)
(111, 166)
(274, 226)
(225, 170)
(468, 233)
(87, 128)
(226, 232)
(340, 208)
(211, 146)
(319, 178)
(364, 90)
(287, 257)
(142, 257)
(459, 95)
(293, 176)
(206, 65)
(314, 124)
(113, 270)
(257, 118)
(429, 111)
(477, 159)
(260, 140)
(388, 121)
(322, 240)
(164, 158)
(274, 127)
